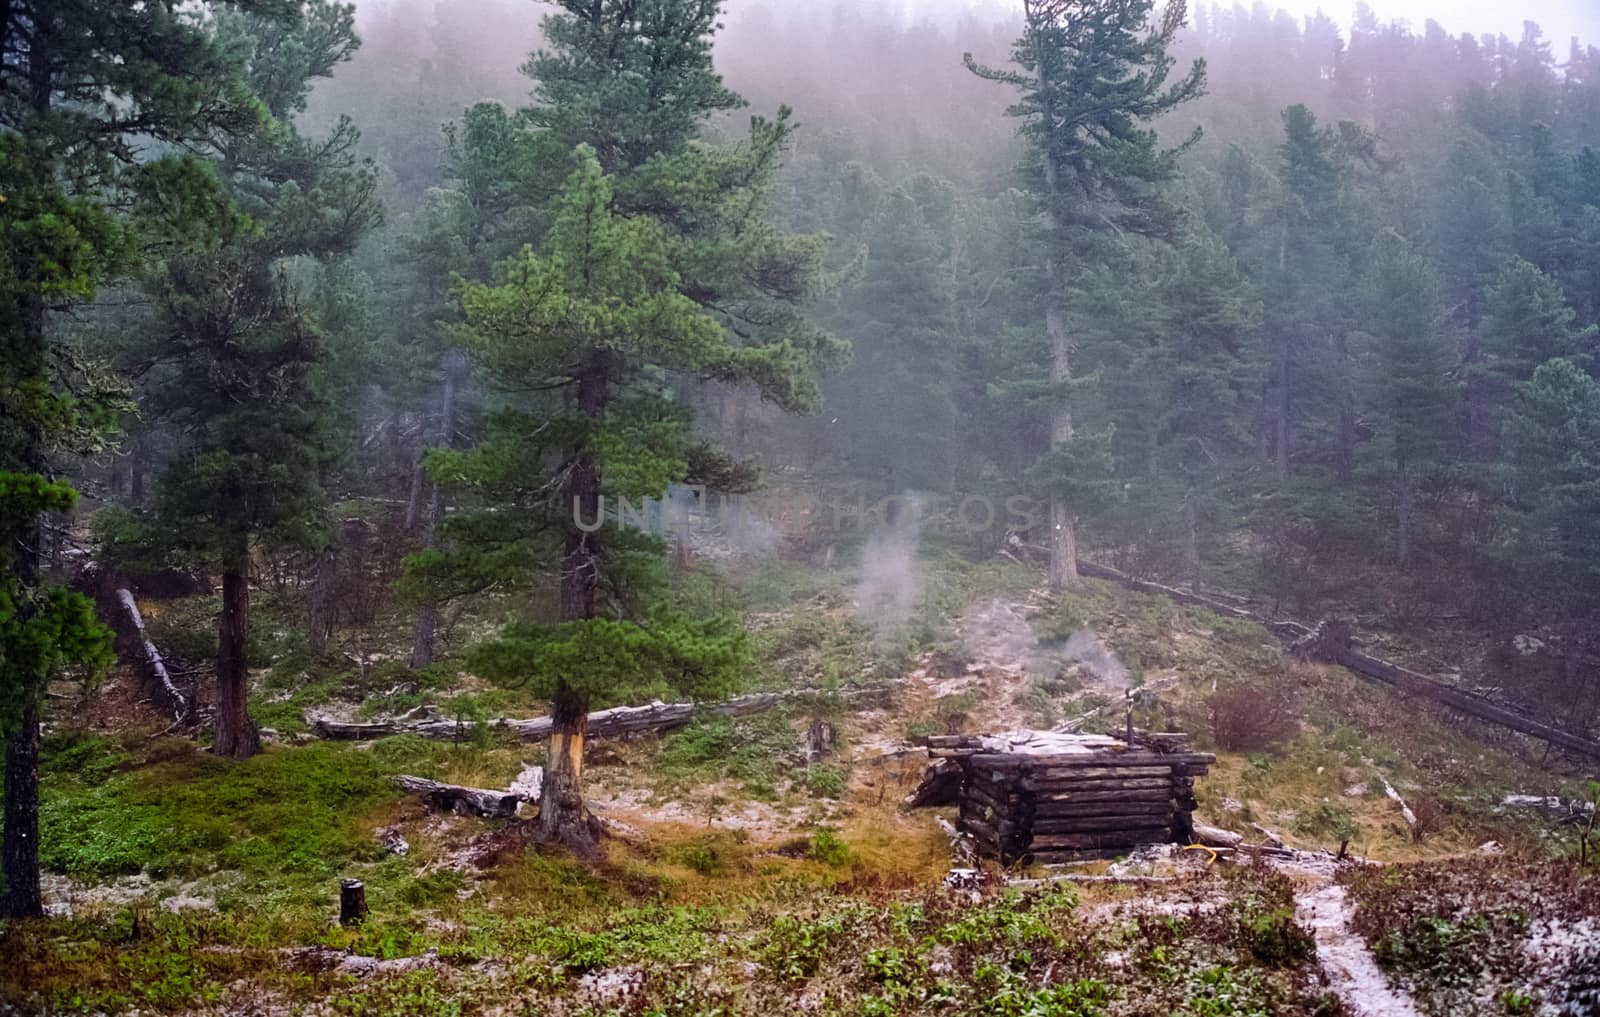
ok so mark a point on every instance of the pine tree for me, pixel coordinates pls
(895, 403)
(1204, 372)
(1411, 394)
(1090, 77)
(1552, 436)
(676, 235)
(87, 84)
(595, 314)
(240, 346)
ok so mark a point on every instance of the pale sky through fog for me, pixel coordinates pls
(1560, 19)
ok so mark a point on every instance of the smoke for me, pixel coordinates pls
(890, 580)
(1084, 647)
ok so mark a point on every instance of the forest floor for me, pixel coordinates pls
(754, 880)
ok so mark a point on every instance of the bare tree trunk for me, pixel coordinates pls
(236, 734)
(1281, 411)
(1403, 512)
(1283, 402)
(319, 624)
(21, 846)
(414, 493)
(563, 817)
(428, 611)
(1063, 524)
(1191, 535)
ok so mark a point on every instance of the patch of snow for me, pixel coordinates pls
(1345, 959)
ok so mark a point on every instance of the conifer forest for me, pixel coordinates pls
(985, 508)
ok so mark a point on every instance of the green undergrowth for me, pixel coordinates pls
(559, 933)
(167, 808)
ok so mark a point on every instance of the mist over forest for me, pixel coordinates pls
(1070, 507)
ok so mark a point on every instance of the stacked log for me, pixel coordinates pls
(1053, 798)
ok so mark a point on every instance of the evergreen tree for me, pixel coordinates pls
(1204, 372)
(677, 273)
(240, 346)
(895, 403)
(1552, 435)
(1091, 75)
(595, 314)
(87, 83)
(1412, 399)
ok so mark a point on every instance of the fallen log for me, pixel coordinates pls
(463, 801)
(1322, 643)
(1213, 836)
(155, 669)
(616, 722)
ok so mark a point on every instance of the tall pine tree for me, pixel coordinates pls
(1091, 76)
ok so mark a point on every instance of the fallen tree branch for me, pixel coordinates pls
(155, 669)
(1329, 642)
(622, 720)
(613, 723)
(463, 801)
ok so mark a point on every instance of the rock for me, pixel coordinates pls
(391, 840)
(1356, 791)
(1490, 847)
(1231, 805)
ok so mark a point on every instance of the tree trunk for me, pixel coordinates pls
(428, 611)
(562, 815)
(563, 818)
(580, 565)
(1063, 525)
(1281, 411)
(21, 845)
(414, 492)
(1403, 509)
(236, 734)
(1191, 535)
(27, 351)
(319, 624)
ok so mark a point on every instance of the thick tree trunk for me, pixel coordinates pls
(1063, 525)
(236, 734)
(27, 353)
(563, 818)
(562, 815)
(428, 611)
(22, 897)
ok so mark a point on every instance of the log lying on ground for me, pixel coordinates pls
(463, 801)
(131, 627)
(1329, 642)
(622, 720)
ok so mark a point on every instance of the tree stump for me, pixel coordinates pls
(352, 902)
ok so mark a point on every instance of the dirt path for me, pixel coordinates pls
(1345, 959)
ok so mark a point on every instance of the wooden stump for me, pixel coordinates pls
(352, 902)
